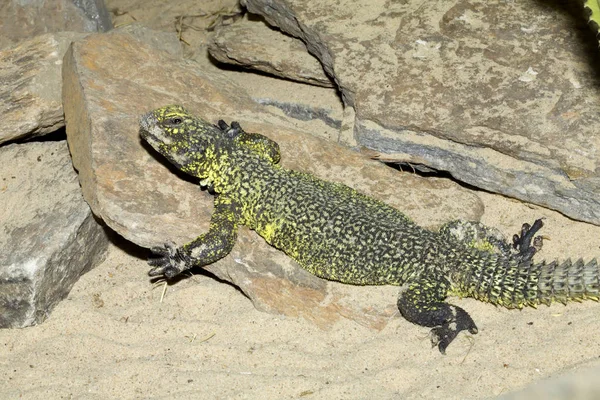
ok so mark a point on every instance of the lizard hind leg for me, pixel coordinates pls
(477, 235)
(422, 302)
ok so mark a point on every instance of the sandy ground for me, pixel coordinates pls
(114, 338)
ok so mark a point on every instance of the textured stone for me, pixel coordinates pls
(164, 41)
(144, 199)
(30, 90)
(25, 19)
(501, 95)
(256, 46)
(318, 106)
(30, 97)
(49, 236)
(307, 103)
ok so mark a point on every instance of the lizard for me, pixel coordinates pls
(339, 234)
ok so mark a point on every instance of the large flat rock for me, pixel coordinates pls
(49, 236)
(502, 95)
(110, 80)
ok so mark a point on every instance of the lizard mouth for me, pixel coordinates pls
(146, 121)
(151, 132)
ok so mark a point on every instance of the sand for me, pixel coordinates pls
(113, 337)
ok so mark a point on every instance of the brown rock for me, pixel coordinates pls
(256, 46)
(31, 100)
(138, 194)
(501, 95)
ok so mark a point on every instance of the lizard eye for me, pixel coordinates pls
(175, 121)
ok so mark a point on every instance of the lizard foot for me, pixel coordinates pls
(523, 242)
(168, 261)
(442, 336)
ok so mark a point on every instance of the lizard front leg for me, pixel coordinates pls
(260, 144)
(169, 261)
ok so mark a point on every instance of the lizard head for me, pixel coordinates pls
(183, 139)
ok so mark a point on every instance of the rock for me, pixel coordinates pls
(95, 10)
(49, 236)
(145, 200)
(320, 107)
(25, 19)
(256, 46)
(164, 41)
(194, 22)
(31, 100)
(503, 96)
(30, 97)
(306, 103)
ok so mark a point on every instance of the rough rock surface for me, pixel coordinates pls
(49, 236)
(256, 46)
(318, 106)
(30, 94)
(138, 194)
(502, 95)
(25, 19)
(306, 103)
(31, 99)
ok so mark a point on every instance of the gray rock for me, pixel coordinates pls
(25, 19)
(30, 94)
(256, 46)
(322, 106)
(96, 11)
(49, 236)
(501, 95)
(138, 194)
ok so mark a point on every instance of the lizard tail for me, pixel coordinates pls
(575, 281)
(515, 283)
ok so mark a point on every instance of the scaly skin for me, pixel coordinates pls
(337, 233)
(593, 9)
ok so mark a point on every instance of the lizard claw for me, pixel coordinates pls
(232, 130)
(167, 261)
(522, 243)
(442, 336)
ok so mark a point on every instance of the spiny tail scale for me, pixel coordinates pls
(513, 282)
(568, 281)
